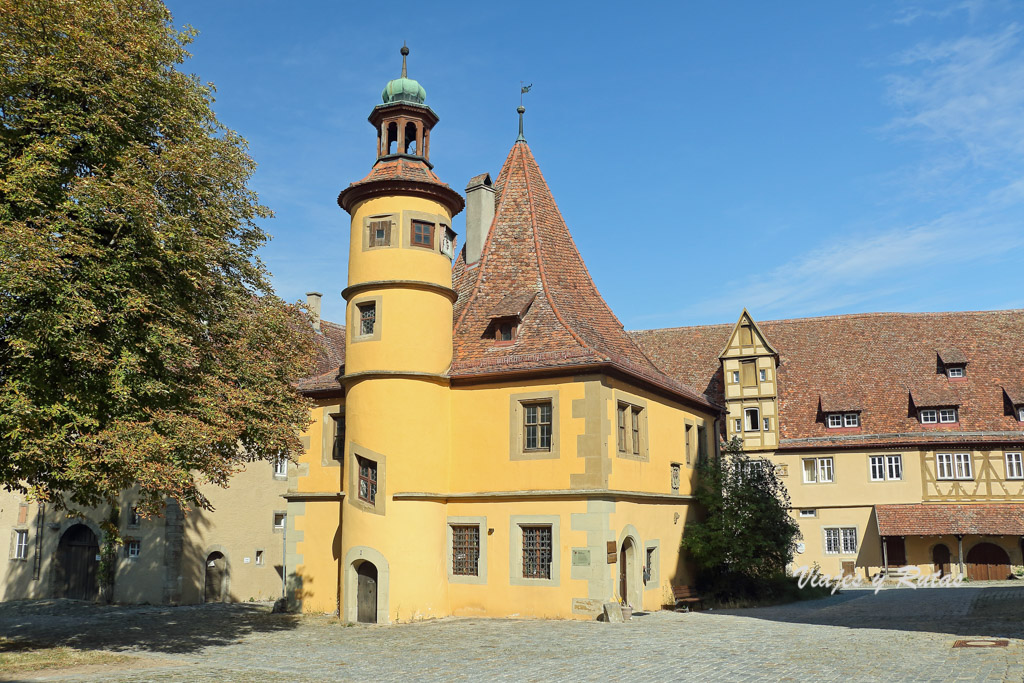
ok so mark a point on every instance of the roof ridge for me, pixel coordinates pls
(540, 259)
(839, 316)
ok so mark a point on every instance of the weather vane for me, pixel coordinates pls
(523, 89)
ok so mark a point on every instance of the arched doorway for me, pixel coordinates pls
(940, 559)
(366, 592)
(628, 573)
(215, 582)
(988, 562)
(78, 560)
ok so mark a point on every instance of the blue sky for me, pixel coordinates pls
(797, 158)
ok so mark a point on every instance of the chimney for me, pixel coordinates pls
(313, 302)
(479, 214)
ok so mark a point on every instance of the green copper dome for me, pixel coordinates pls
(403, 89)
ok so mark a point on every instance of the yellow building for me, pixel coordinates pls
(494, 443)
(898, 436)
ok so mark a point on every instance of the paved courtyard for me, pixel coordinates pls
(897, 635)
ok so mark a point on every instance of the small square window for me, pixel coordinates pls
(259, 557)
(132, 548)
(929, 416)
(947, 415)
(279, 519)
(851, 420)
(367, 480)
(380, 233)
(955, 372)
(422, 235)
(367, 318)
(835, 420)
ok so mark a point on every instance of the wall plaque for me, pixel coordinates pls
(581, 557)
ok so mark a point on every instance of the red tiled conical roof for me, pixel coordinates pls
(529, 251)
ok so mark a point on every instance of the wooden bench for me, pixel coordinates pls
(686, 598)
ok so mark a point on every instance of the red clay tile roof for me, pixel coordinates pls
(514, 305)
(1015, 392)
(401, 174)
(880, 357)
(952, 356)
(835, 402)
(933, 393)
(528, 252)
(942, 518)
(330, 357)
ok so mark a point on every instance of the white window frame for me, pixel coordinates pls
(826, 465)
(132, 548)
(840, 540)
(1020, 414)
(851, 420)
(281, 467)
(894, 467)
(944, 466)
(767, 423)
(951, 413)
(876, 465)
(848, 540)
(1014, 466)
(751, 425)
(963, 466)
(284, 520)
(813, 471)
(260, 557)
(735, 376)
(763, 375)
(835, 420)
(928, 416)
(809, 512)
(955, 372)
(20, 544)
(739, 424)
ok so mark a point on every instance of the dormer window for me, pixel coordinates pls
(955, 371)
(1020, 414)
(841, 420)
(947, 415)
(506, 331)
(928, 416)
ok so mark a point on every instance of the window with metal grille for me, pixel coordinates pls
(536, 552)
(423, 235)
(465, 550)
(537, 426)
(368, 481)
(367, 318)
(21, 544)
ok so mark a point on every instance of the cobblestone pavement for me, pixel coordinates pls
(897, 635)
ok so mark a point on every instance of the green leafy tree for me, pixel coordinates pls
(140, 340)
(747, 537)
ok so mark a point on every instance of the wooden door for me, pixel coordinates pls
(78, 563)
(849, 568)
(988, 562)
(213, 588)
(940, 559)
(366, 593)
(897, 551)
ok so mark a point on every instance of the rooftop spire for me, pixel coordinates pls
(405, 53)
(522, 110)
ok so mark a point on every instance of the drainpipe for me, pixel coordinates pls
(885, 557)
(960, 553)
(284, 559)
